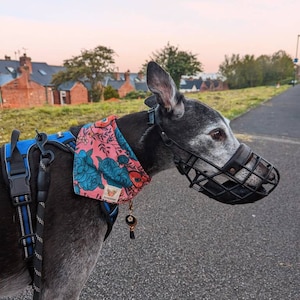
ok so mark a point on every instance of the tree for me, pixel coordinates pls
(282, 65)
(91, 66)
(230, 69)
(265, 63)
(176, 62)
(249, 71)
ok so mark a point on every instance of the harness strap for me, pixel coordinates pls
(110, 213)
(20, 194)
(17, 167)
(27, 239)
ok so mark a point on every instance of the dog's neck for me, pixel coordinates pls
(145, 142)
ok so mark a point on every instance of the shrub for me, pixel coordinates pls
(110, 92)
(136, 95)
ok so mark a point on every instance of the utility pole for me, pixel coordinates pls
(295, 61)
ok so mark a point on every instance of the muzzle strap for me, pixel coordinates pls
(239, 159)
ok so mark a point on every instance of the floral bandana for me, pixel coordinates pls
(105, 167)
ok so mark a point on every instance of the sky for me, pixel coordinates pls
(56, 30)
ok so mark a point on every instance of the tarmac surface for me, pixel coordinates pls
(188, 246)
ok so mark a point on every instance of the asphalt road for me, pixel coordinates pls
(188, 246)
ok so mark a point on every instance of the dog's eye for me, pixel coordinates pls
(218, 134)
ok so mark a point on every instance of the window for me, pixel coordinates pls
(11, 69)
(42, 72)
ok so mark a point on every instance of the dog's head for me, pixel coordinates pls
(204, 147)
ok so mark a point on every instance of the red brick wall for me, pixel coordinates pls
(49, 96)
(203, 87)
(125, 89)
(78, 94)
(21, 93)
(56, 97)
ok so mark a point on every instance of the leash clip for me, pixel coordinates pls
(41, 140)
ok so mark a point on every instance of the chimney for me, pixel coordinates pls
(140, 76)
(6, 57)
(26, 62)
(127, 76)
(117, 76)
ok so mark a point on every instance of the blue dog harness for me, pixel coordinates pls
(15, 158)
(16, 161)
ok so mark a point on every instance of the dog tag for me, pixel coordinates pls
(131, 221)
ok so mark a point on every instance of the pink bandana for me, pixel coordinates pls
(105, 167)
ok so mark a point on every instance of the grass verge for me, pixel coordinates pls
(51, 119)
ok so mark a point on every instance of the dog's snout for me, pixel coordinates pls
(267, 171)
(272, 176)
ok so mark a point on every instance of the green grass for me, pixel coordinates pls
(232, 103)
(51, 119)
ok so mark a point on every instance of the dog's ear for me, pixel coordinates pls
(163, 87)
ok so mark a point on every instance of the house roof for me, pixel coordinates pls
(189, 84)
(115, 84)
(41, 72)
(5, 78)
(141, 86)
(8, 71)
(6, 65)
(138, 84)
(66, 86)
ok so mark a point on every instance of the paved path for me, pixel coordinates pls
(190, 247)
(277, 118)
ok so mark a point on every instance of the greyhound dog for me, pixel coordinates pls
(175, 132)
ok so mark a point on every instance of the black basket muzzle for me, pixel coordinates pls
(245, 178)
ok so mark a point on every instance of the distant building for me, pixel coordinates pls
(27, 84)
(202, 82)
(126, 82)
(71, 92)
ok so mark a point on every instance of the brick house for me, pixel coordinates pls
(127, 82)
(27, 84)
(70, 93)
(200, 85)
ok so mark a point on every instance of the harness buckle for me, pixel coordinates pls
(151, 116)
(19, 185)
